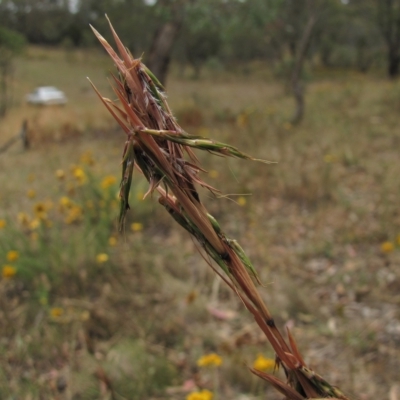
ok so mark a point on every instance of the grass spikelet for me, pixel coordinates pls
(157, 146)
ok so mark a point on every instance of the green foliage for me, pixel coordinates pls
(11, 41)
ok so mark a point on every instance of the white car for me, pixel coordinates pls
(46, 95)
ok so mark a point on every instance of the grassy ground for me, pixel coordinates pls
(87, 313)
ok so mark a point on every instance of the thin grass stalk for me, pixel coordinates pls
(156, 145)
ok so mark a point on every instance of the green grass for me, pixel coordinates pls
(313, 226)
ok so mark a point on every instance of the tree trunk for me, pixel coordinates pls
(160, 52)
(296, 84)
(389, 22)
(3, 88)
(393, 62)
(363, 58)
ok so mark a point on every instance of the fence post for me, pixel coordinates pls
(24, 135)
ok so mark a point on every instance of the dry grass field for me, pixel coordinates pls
(90, 313)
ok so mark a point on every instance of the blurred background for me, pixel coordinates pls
(87, 312)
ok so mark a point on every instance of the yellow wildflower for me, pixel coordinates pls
(264, 364)
(74, 215)
(34, 224)
(112, 241)
(31, 193)
(241, 201)
(65, 202)
(209, 360)
(8, 271)
(40, 211)
(102, 258)
(387, 247)
(137, 227)
(213, 173)
(60, 174)
(79, 175)
(87, 158)
(56, 312)
(39, 208)
(3, 223)
(12, 255)
(23, 219)
(108, 181)
(202, 395)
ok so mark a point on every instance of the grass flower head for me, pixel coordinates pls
(157, 145)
